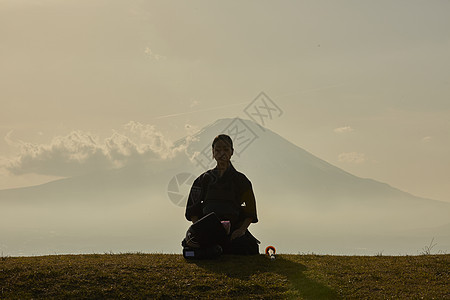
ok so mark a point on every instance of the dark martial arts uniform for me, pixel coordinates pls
(231, 198)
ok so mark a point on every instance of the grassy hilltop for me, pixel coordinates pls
(163, 276)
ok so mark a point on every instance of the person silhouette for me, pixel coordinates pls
(227, 194)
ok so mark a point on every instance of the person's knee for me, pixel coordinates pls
(245, 245)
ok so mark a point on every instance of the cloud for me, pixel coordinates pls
(10, 142)
(194, 103)
(153, 55)
(352, 157)
(427, 139)
(81, 152)
(343, 129)
(191, 129)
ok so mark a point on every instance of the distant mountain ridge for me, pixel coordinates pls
(298, 194)
(269, 153)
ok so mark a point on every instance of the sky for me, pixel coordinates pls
(364, 85)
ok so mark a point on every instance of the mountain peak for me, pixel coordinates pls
(297, 193)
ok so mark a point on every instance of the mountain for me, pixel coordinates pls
(304, 204)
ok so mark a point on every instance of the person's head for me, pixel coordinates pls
(222, 148)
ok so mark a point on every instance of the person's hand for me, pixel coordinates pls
(237, 233)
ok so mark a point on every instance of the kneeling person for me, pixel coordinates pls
(228, 195)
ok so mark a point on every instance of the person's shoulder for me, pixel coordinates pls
(207, 175)
(241, 177)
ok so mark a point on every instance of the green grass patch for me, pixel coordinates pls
(163, 276)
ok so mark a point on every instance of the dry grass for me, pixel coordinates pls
(162, 276)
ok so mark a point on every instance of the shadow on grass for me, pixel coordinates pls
(248, 268)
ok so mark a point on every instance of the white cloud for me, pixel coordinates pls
(81, 152)
(343, 129)
(194, 103)
(191, 129)
(352, 157)
(10, 142)
(153, 55)
(427, 139)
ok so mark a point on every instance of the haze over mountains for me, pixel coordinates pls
(304, 204)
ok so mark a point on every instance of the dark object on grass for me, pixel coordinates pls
(203, 238)
(206, 232)
(211, 252)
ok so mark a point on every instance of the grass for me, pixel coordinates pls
(164, 276)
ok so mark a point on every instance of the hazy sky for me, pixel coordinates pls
(364, 85)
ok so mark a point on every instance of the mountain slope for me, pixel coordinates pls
(303, 203)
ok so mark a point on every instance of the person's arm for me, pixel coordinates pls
(241, 230)
(249, 208)
(193, 205)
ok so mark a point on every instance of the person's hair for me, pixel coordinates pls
(225, 138)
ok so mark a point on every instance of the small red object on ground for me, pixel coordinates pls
(270, 250)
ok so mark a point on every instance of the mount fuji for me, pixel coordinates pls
(304, 204)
